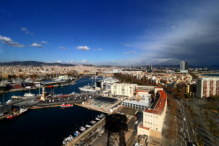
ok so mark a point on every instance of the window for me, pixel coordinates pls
(156, 128)
(156, 116)
(148, 122)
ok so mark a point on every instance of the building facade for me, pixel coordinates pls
(122, 89)
(183, 67)
(206, 87)
(153, 119)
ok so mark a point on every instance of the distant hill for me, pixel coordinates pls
(32, 63)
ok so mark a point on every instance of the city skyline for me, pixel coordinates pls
(110, 33)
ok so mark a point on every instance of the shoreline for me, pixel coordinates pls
(34, 88)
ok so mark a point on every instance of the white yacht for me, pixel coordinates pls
(88, 89)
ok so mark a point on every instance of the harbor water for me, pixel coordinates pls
(45, 127)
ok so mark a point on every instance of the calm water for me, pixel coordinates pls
(211, 75)
(45, 127)
(64, 89)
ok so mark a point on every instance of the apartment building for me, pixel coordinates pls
(207, 86)
(123, 89)
(153, 119)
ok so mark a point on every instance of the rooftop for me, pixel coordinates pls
(158, 109)
(106, 99)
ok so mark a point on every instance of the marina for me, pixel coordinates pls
(51, 120)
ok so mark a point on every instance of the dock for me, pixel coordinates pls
(86, 133)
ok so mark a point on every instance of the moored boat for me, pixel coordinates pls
(97, 119)
(88, 126)
(67, 139)
(66, 105)
(15, 114)
(76, 133)
(92, 122)
(82, 128)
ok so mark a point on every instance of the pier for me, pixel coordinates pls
(86, 133)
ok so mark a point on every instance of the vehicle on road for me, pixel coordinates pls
(186, 131)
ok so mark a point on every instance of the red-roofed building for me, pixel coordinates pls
(153, 119)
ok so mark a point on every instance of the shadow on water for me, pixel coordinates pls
(115, 127)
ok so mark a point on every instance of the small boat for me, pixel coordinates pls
(101, 115)
(66, 105)
(88, 126)
(21, 111)
(76, 133)
(82, 128)
(92, 122)
(67, 139)
(51, 86)
(97, 119)
(9, 101)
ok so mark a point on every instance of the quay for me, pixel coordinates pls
(90, 108)
(86, 133)
(40, 107)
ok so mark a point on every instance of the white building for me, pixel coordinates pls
(123, 89)
(141, 104)
(207, 86)
(153, 119)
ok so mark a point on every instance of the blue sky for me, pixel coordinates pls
(118, 32)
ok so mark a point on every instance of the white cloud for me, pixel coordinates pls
(62, 48)
(10, 42)
(43, 42)
(67, 61)
(72, 61)
(100, 49)
(127, 45)
(84, 61)
(132, 52)
(24, 29)
(59, 61)
(84, 48)
(36, 45)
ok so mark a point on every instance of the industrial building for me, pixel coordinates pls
(207, 86)
(4, 109)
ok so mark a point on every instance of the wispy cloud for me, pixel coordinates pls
(62, 48)
(24, 29)
(127, 45)
(37, 45)
(100, 49)
(131, 52)
(10, 42)
(59, 61)
(44, 42)
(84, 48)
